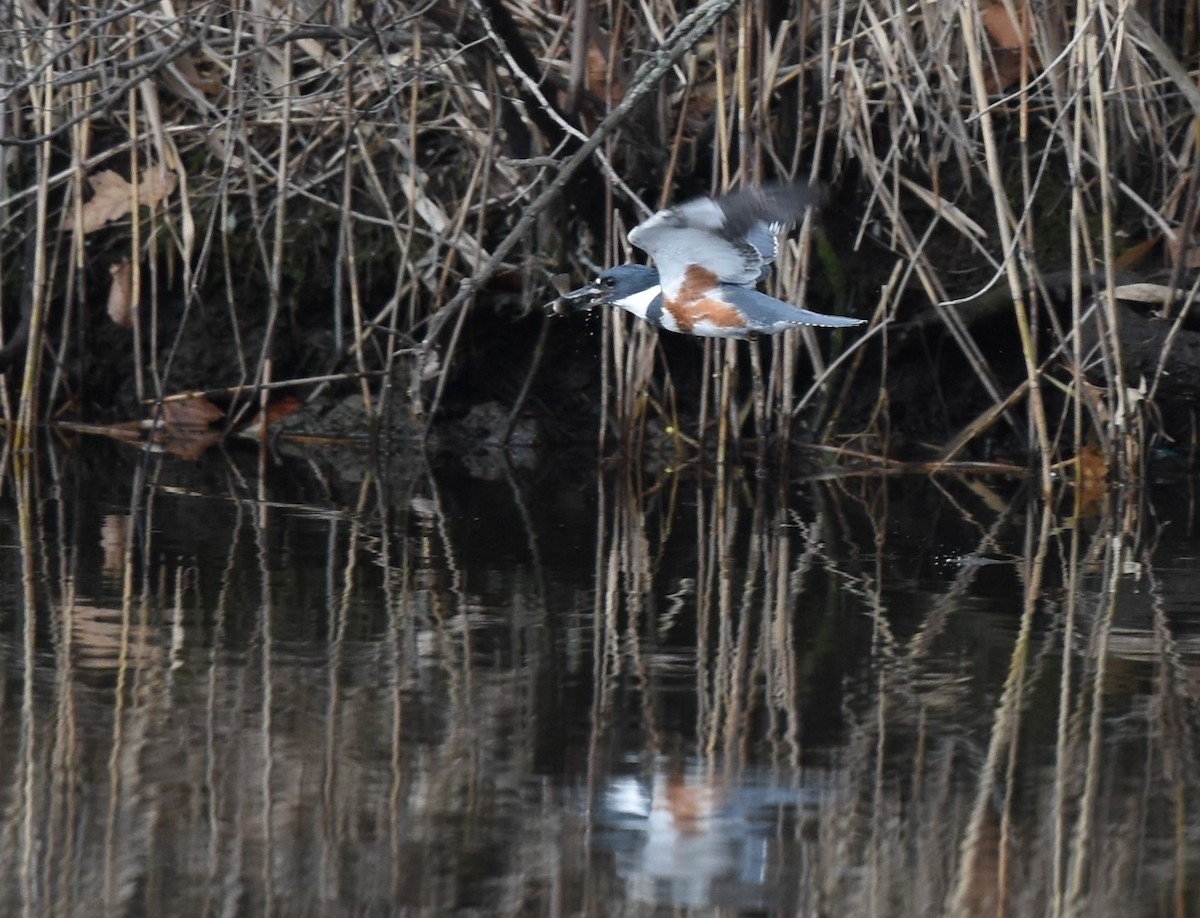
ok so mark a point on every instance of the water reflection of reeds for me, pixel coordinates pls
(863, 695)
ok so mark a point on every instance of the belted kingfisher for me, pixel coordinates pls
(710, 253)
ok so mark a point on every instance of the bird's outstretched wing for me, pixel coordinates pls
(734, 237)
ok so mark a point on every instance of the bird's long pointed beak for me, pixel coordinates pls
(577, 300)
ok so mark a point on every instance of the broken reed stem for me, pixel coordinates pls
(758, 396)
(606, 382)
(1078, 223)
(356, 313)
(27, 410)
(742, 78)
(74, 290)
(348, 257)
(251, 388)
(707, 388)
(1122, 415)
(405, 239)
(275, 288)
(135, 245)
(725, 406)
(1004, 222)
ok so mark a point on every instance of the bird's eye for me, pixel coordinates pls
(608, 282)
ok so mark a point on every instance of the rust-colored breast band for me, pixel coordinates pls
(714, 312)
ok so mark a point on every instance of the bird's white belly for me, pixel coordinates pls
(639, 303)
(706, 329)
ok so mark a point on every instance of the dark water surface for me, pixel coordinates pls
(316, 687)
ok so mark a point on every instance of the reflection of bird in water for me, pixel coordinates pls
(685, 840)
(710, 253)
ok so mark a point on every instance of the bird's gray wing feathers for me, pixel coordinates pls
(735, 236)
(782, 205)
(674, 247)
(765, 239)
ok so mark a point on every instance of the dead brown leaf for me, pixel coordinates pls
(1091, 478)
(1133, 255)
(597, 83)
(157, 185)
(1010, 39)
(112, 199)
(1093, 464)
(597, 74)
(207, 81)
(260, 424)
(120, 294)
(186, 432)
(1002, 29)
(701, 103)
(189, 443)
(112, 196)
(194, 411)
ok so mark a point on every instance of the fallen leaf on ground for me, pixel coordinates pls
(112, 196)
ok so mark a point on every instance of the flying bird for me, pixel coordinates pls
(710, 254)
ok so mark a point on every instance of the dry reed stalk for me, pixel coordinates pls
(28, 407)
(1081, 839)
(1122, 417)
(960, 139)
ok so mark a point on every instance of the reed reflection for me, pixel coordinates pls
(421, 691)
